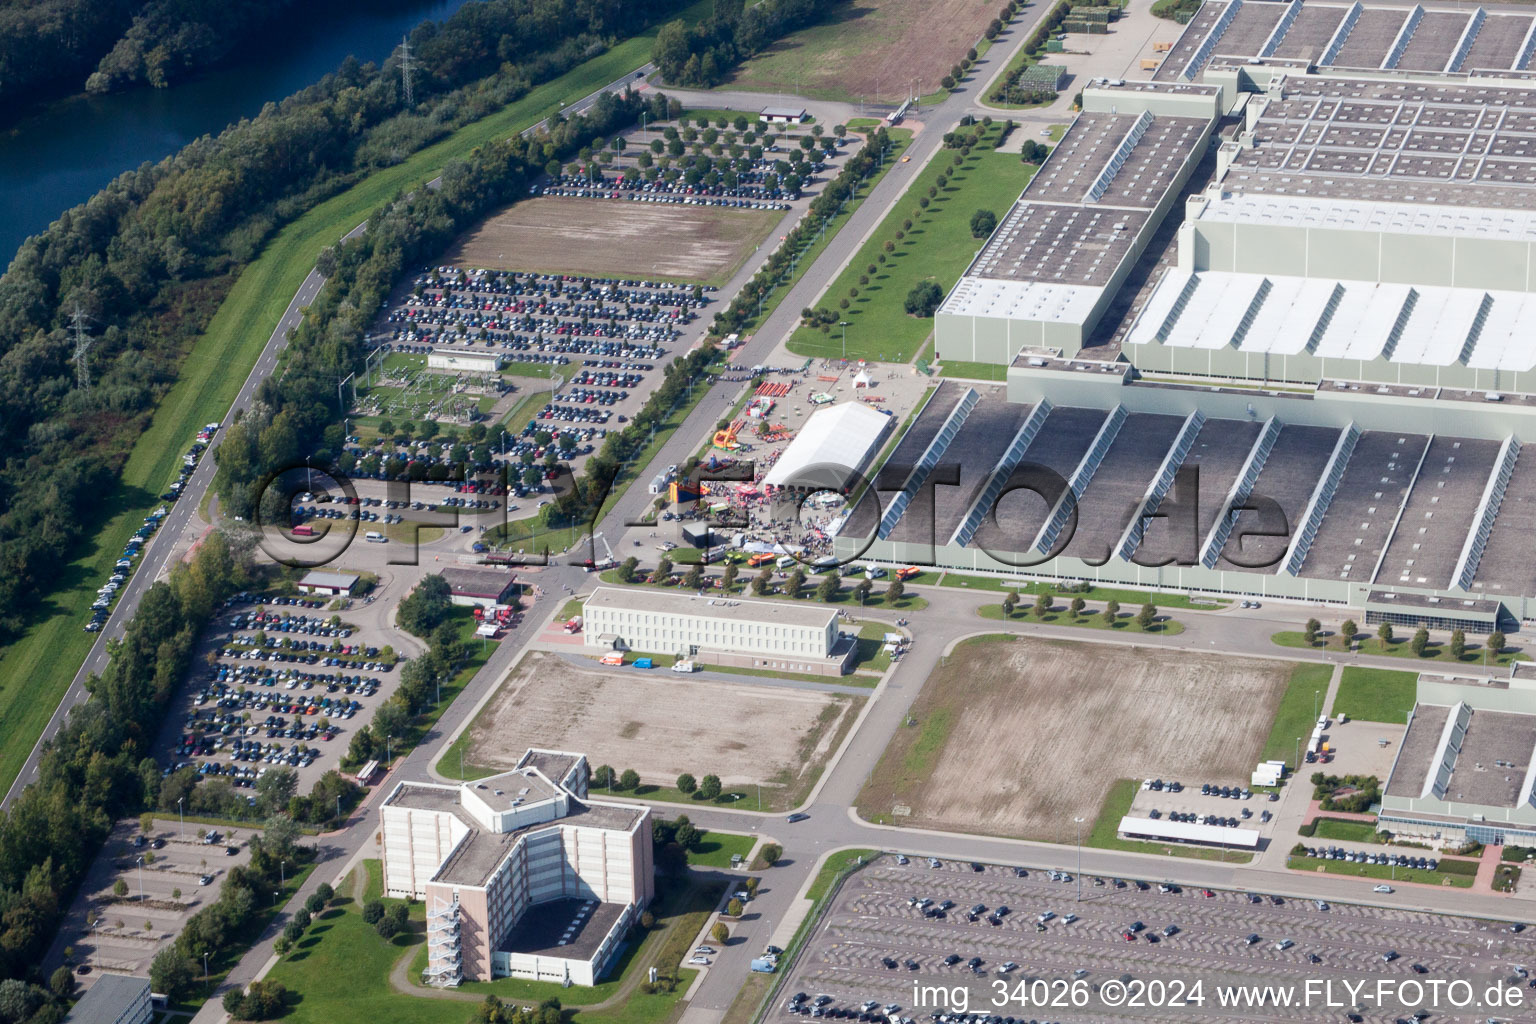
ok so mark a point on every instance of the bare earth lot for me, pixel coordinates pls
(652, 722)
(876, 50)
(615, 238)
(1018, 737)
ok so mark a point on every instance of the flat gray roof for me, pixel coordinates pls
(105, 1000)
(468, 582)
(569, 928)
(555, 764)
(1416, 755)
(511, 789)
(316, 578)
(672, 603)
(1439, 514)
(1365, 505)
(1493, 736)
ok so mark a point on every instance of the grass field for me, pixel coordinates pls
(1091, 593)
(1016, 737)
(715, 849)
(877, 50)
(973, 371)
(1376, 694)
(1340, 830)
(51, 652)
(1296, 714)
(1455, 877)
(938, 247)
(615, 238)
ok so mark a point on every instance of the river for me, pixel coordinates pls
(62, 155)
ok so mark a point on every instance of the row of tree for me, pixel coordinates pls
(700, 56)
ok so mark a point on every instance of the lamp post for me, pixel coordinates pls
(181, 822)
(309, 480)
(844, 325)
(205, 966)
(389, 750)
(141, 878)
(1079, 859)
(1315, 708)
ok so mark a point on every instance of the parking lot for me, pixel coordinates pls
(879, 940)
(277, 683)
(180, 872)
(1239, 807)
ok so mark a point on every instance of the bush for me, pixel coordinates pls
(735, 907)
(983, 223)
(373, 910)
(386, 927)
(770, 853)
(924, 299)
(686, 783)
(709, 787)
(629, 780)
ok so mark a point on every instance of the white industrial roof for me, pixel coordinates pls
(1496, 328)
(1023, 300)
(1189, 832)
(1362, 214)
(836, 442)
(315, 578)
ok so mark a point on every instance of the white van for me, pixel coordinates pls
(376, 537)
(785, 561)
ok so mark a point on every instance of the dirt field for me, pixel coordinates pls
(604, 237)
(875, 50)
(1018, 737)
(652, 723)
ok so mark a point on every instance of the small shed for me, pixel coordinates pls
(333, 584)
(482, 587)
(783, 115)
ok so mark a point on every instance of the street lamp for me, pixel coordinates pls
(205, 966)
(309, 480)
(181, 822)
(389, 754)
(141, 878)
(1079, 859)
(1315, 708)
(844, 325)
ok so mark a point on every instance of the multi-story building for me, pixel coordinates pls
(521, 873)
(757, 634)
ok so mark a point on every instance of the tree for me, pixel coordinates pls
(770, 853)
(694, 577)
(171, 972)
(1111, 611)
(734, 907)
(373, 910)
(795, 584)
(386, 927)
(686, 784)
(863, 589)
(1348, 631)
(1384, 633)
(119, 888)
(1076, 607)
(628, 780)
(826, 591)
(1420, 641)
(720, 933)
(62, 982)
(275, 788)
(923, 299)
(325, 892)
(1458, 644)
(894, 592)
(1010, 602)
(426, 607)
(761, 580)
(663, 568)
(728, 577)
(147, 822)
(709, 787)
(602, 777)
(626, 572)
(1147, 616)
(983, 223)
(1043, 604)
(1496, 642)
(1309, 634)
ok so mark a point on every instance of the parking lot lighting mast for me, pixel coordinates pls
(141, 878)
(181, 822)
(1079, 859)
(844, 325)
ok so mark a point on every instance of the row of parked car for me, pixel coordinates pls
(574, 413)
(607, 379)
(1384, 859)
(823, 1007)
(516, 282)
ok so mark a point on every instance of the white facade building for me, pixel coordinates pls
(453, 360)
(682, 623)
(522, 875)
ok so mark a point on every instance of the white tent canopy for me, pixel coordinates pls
(836, 442)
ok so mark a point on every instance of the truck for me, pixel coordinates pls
(644, 663)
(760, 559)
(763, 965)
(573, 624)
(612, 658)
(908, 572)
(684, 666)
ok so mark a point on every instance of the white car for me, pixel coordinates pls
(705, 951)
(1382, 888)
(702, 961)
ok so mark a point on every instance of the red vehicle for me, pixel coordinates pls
(303, 530)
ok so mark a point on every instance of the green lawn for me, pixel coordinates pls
(909, 601)
(1401, 647)
(1126, 621)
(1342, 830)
(1091, 593)
(340, 940)
(714, 849)
(1376, 694)
(973, 371)
(1296, 715)
(938, 247)
(51, 652)
(1104, 834)
(1386, 873)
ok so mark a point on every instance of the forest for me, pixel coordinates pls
(147, 261)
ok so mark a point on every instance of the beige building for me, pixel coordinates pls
(522, 875)
(782, 635)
